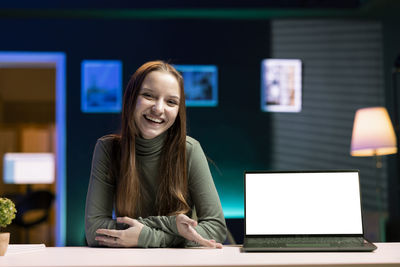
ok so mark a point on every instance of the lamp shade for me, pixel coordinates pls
(373, 133)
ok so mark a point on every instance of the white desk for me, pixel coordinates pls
(387, 254)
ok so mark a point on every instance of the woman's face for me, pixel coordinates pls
(157, 104)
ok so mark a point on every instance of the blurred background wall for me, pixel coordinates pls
(347, 48)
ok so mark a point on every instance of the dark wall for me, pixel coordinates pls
(392, 80)
(233, 134)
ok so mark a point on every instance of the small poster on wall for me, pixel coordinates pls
(281, 85)
(101, 90)
(201, 84)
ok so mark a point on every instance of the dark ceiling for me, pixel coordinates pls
(294, 4)
(193, 9)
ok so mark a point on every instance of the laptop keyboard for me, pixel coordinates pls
(304, 242)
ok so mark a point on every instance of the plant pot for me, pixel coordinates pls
(4, 240)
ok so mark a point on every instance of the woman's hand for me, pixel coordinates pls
(186, 229)
(120, 238)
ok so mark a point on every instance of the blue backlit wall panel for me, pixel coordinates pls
(101, 88)
(201, 84)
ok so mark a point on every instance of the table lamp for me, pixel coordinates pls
(373, 134)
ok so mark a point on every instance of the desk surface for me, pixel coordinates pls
(387, 254)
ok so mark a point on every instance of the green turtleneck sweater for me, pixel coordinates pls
(158, 231)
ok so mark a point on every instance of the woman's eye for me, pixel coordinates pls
(147, 95)
(172, 103)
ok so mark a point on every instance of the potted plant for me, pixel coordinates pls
(7, 213)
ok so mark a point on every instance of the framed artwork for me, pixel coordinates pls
(101, 89)
(281, 85)
(201, 84)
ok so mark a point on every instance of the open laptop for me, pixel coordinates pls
(303, 211)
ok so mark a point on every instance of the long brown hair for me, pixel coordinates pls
(173, 189)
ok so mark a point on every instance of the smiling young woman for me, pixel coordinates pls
(152, 174)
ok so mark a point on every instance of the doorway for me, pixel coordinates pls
(54, 62)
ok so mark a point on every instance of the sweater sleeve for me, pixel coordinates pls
(211, 222)
(100, 195)
(159, 231)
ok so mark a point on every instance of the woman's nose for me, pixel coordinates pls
(158, 107)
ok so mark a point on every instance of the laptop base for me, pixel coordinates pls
(326, 247)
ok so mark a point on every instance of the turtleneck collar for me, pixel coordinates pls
(149, 147)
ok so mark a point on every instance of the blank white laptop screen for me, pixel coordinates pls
(303, 203)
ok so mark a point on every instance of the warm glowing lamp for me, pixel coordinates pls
(373, 133)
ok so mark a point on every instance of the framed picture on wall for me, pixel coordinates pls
(201, 84)
(101, 89)
(281, 85)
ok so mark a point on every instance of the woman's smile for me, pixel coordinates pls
(153, 119)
